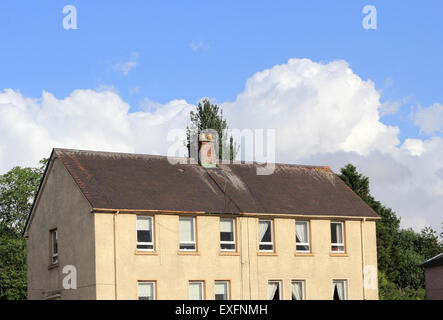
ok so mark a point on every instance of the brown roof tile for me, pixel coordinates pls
(131, 181)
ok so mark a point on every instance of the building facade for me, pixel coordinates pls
(434, 277)
(120, 226)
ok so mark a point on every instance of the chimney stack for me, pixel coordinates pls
(207, 155)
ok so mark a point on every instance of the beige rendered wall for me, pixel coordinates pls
(247, 270)
(61, 206)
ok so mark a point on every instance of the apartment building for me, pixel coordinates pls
(138, 227)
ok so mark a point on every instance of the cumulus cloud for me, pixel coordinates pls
(430, 119)
(323, 114)
(87, 119)
(317, 108)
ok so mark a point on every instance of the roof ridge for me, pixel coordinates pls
(232, 162)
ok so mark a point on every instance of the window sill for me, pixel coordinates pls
(188, 253)
(267, 253)
(146, 253)
(338, 254)
(229, 253)
(53, 266)
(304, 254)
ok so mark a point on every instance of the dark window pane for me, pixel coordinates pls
(187, 246)
(145, 246)
(144, 298)
(226, 236)
(266, 247)
(228, 246)
(54, 242)
(333, 233)
(276, 294)
(220, 297)
(302, 248)
(144, 236)
(336, 296)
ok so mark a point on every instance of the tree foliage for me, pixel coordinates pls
(18, 188)
(12, 265)
(210, 116)
(399, 251)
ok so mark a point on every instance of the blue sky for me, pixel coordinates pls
(235, 39)
(87, 88)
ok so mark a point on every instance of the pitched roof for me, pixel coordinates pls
(134, 181)
(434, 261)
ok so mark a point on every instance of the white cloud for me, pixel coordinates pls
(430, 119)
(323, 114)
(87, 119)
(389, 107)
(317, 108)
(127, 66)
(326, 114)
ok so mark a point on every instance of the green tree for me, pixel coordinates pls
(210, 116)
(399, 251)
(12, 265)
(18, 188)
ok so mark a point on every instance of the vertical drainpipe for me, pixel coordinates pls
(362, 222)
(115, 254)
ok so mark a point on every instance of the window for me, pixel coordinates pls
(302, 236)
(54, 246)
(187, 234)
(221, 289)
(339, 288)
(266, 235)
(274, 290)
(227, 235)
(298, 290)
(146, 290)
(196, 290)
(337, 237)
(145, 233)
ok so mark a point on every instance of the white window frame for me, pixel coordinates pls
(151, 218)
(54, 254)
(154, 288)
(303, 285)
(226, 284)
(338, 244)
(272, 236)
(202, 288)
(234, 235)
(194, 242)
(308, 244)
(345, 287)
(280, 289)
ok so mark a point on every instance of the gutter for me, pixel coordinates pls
(363, 255)
(240, 214)
(115, 255)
